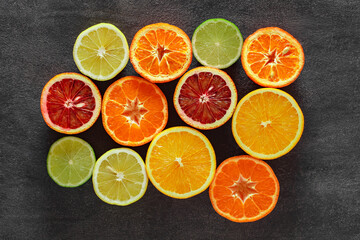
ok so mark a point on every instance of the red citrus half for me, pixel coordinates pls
(70, 103)
(205, 97)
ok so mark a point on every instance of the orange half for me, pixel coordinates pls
(271, 57)
(134, 111)
(161, 52)
(180, 162)
(244, 189)
(267, 123)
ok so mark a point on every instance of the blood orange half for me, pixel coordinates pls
(70, 103)
(205, 97)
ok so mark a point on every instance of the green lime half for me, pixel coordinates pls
(70, 161)
(217, 43)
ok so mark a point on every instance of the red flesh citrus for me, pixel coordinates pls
(70, 103)
(205, 97)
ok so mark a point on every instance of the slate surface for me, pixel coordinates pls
(319, 178)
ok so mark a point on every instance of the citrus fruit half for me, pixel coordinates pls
(134, 111)
(119, 177)
(101, 51)
(267, 123)
(160, 52)
(70, 103)
(271, 57)
(245, 189)
(180, 162)
(70, 161)
(217, 43)
(205, 97)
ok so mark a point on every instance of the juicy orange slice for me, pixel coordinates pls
(180, 162)
(271, 57)
(245, 189)
(161, 52)
(134, 111)
(267, 123)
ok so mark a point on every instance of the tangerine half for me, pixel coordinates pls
(134, 110)
(161, 52)
(271, 57)
(244, 189)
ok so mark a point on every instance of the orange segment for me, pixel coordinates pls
(180, 162)
(267, 123)
(244, 189)
(271, 57)
(160, 52)
(134, 111)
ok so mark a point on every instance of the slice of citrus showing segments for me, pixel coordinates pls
(205, 97)
(160, 52)
(119, 177)
(244, 189)
(70, 161)
(217, 43)
(70, 103)
(267, 123)
(101, 51)
(271, 57)
(134, 110)
(180, 162)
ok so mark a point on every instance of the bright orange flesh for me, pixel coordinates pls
(267, 123)
(134, 111)
(244, 189)
(180, 162)
(160, 52)
(271, 57)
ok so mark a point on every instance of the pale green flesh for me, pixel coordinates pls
(131, 184)
(70, 161)
(217, 43)
(119, 177)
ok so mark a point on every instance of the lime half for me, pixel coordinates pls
(119, 177)
(70, 161)
(101, 51)
(217, 43)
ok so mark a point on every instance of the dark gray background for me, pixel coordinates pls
(319, 178)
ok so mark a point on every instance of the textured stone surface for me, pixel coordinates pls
(319, 178)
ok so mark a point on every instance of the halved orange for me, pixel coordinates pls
(180, 162)
(267, 123)
(245, 189)
(271, 57)
(205, 97)
(134, 111)
(70, 103)
(161, 52)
